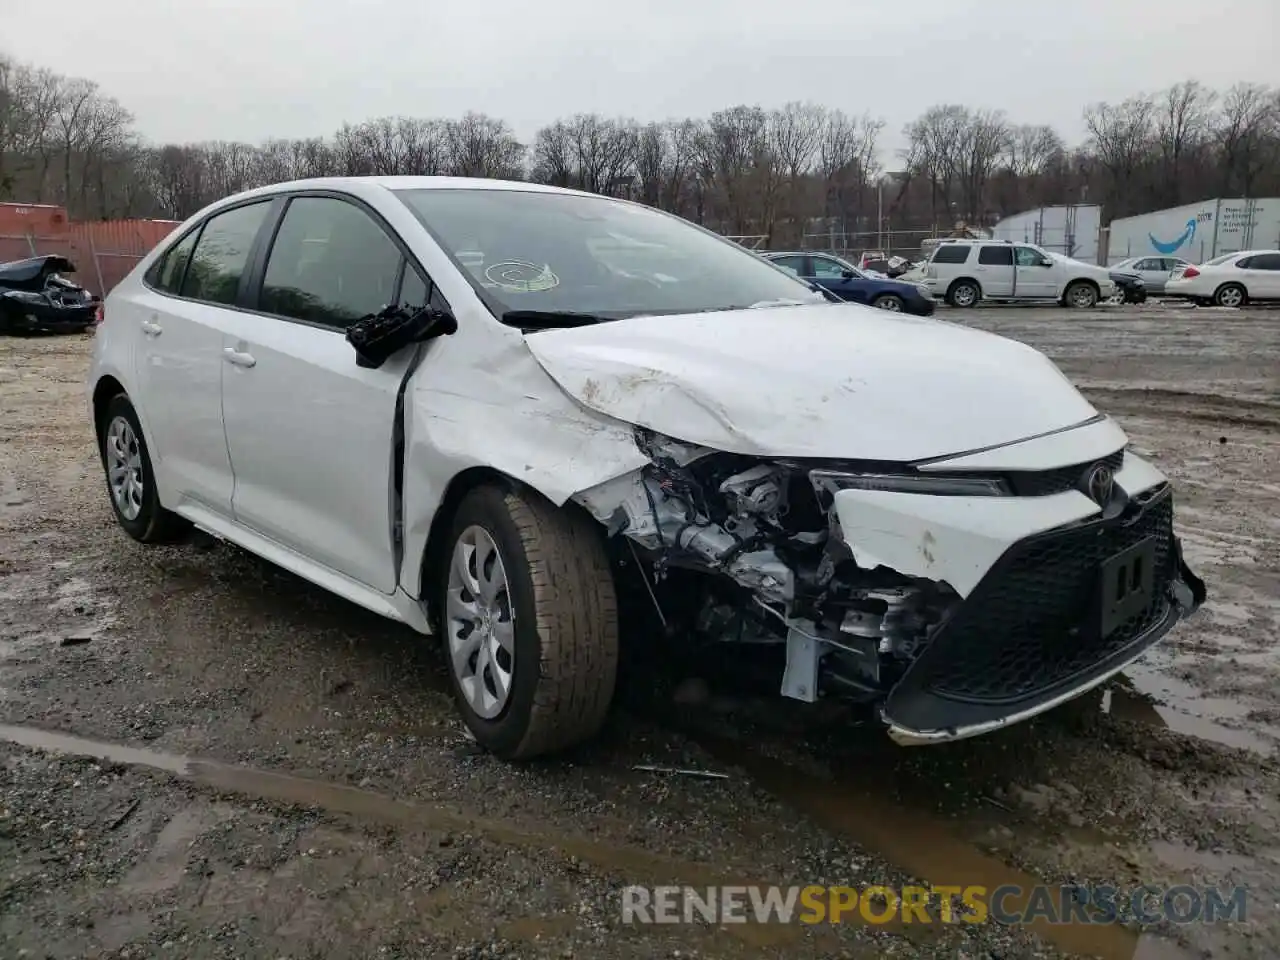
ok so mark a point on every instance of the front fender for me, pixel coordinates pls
(505, 414)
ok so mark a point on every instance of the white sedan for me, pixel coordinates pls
(1231, 280)
(519, 417)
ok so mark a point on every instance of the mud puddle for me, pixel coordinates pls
(1156, 698)
(637, 865)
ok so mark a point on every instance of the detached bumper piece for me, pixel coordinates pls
(1058, 614)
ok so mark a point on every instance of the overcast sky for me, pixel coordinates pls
(252, 69)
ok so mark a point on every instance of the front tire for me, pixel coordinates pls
(529, 622)
(889, 302)
(131, 480)
(1081, 295)
(964, 294)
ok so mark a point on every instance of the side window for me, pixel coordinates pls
(996, 256)
(793, 265)
(222, 253)
(414, 291)
(1026, 257)
(1265, 261)
(829, 269)
(330, 264)
(1245, 263)
(951, 253)
(173, 265)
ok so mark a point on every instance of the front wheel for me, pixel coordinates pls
(888, 302)
(529, 622)
(963, 293)
(1082, 295)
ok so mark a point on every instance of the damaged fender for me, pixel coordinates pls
(500, 412)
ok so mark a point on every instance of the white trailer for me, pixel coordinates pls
(1070, 230)
(1198, 231)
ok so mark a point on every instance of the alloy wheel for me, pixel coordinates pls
(480, 623)
(124, 468)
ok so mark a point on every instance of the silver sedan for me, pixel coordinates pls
(1154, 271)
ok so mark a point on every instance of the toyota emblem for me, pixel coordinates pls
(1099, 480)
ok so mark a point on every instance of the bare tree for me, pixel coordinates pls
(1246, 133)
(847, 150)
(1121, 137)
(1181, 126)
(483, 146)
(934, 142)
(740, 170)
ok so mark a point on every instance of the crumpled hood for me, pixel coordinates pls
(829, 381)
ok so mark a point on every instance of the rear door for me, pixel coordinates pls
(181, 311)
(310, 433)
(995, 271)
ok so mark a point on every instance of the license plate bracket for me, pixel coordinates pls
(1126, 581)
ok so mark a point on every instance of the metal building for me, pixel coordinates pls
(1198, 231)
(1072, 230)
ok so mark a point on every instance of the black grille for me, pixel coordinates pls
(1042, 483)
(1020, 632)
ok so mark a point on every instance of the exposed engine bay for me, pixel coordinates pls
(781, 570)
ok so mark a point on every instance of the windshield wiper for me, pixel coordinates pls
(549, 319)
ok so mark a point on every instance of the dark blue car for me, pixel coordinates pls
(849, 283)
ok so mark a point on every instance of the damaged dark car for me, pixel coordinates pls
(35, 297)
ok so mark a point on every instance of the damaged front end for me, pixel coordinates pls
(957, 602)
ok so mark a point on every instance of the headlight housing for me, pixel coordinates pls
(831, 481)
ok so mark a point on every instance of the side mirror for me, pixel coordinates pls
(378, 336)
(847, 274)
(1046, 262)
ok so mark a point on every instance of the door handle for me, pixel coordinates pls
(151, 328)
(240, 359)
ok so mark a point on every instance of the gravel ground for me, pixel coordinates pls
(341, 811)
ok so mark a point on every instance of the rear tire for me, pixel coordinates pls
(1230, 295)
(530, 635)
(963, 294)
(131, 480)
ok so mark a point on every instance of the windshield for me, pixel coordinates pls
(593, 256)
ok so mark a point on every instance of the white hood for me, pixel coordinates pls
(823, 381)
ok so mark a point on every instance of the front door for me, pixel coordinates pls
(830, 273)
(1034, 278)
(186, 301)
(310, 432)
(1262, 276)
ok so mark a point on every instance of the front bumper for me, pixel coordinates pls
(1021, 644)
(921, 306)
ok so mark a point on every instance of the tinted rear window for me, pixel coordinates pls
(1000, 256)
(951, 253)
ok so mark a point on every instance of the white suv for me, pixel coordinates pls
(966, 271)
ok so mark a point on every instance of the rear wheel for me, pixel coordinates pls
(1230, 295)
(889, 302)
(963, 293)
(529, 622)
(131, 480)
